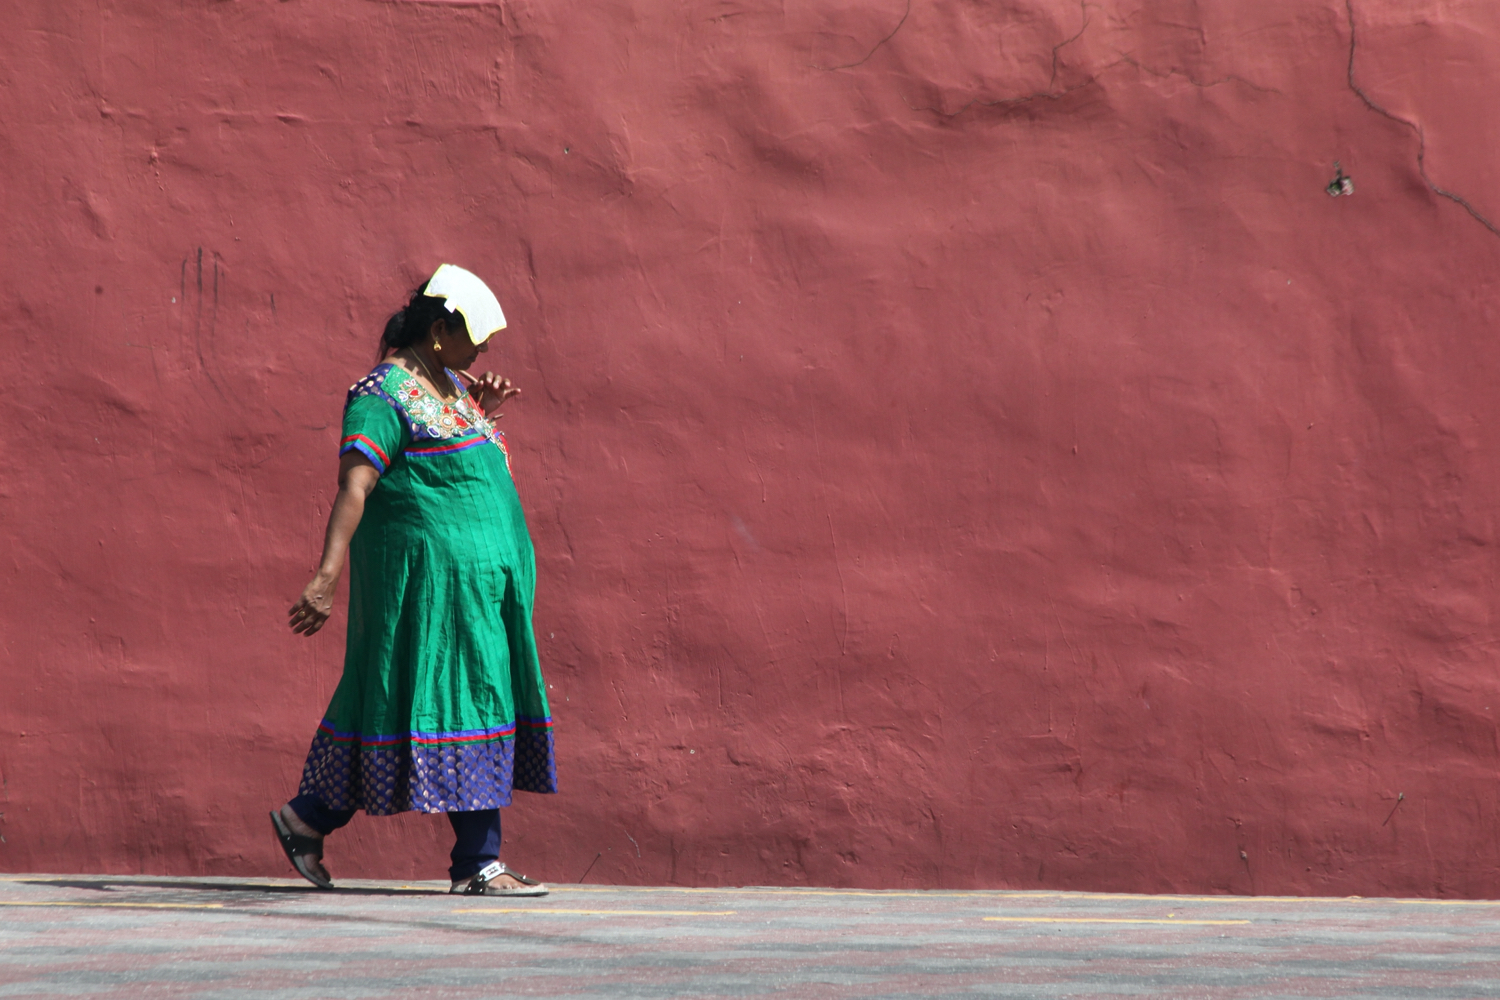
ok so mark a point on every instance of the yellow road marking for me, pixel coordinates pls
(976, 894)
(605, 913)
(133, 906)
(1010, 894)
(994, 894)
(935, 894)
(1108, 920)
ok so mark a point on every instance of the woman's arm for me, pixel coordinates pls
(357, 477)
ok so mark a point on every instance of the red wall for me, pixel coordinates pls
(965, 445)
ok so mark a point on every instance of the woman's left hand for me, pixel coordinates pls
(312, 609)
(491, 392)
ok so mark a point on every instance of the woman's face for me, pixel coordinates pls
(458, 351)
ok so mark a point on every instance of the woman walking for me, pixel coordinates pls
(441, 707)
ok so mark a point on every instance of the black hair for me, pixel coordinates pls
(412, 322)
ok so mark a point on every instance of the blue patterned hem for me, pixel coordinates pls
(457, 777)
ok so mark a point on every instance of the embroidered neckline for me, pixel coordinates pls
(423, 385)
(427, 417)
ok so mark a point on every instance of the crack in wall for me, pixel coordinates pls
(876, 47)
(1083, 9)
(1048, 94)
(1416, 127)
(1056, 95)
(1203, 84)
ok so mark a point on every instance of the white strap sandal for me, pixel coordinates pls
(483, 883)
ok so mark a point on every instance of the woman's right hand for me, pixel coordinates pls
(491, 392)
(314, 606)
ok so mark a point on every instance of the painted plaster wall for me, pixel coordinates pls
(965, 444)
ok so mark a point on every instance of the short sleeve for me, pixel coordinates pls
(373, 428)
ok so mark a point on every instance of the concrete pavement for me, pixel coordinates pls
(107, 937)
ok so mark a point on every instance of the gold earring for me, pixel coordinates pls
(436, 346)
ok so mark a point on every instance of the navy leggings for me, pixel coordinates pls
(476, 835)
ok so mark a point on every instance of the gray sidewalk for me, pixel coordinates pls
(111, 937)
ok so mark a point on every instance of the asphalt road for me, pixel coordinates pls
(106, 937)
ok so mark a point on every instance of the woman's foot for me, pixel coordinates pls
(497, 880)
(302, 845)
(294, 822)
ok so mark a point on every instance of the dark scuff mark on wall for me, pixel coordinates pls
(204, 330)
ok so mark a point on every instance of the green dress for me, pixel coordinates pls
(442, 707)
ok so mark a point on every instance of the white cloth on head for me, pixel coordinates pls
(471, 297)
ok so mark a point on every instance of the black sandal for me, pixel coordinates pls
(298, 849)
